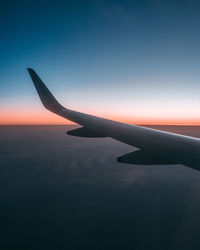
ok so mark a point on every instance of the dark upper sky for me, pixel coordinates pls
(131, 59)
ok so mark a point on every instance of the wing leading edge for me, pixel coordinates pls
(167, 146)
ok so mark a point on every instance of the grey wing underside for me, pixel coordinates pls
(156, 147)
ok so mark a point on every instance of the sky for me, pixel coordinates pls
(132, 61)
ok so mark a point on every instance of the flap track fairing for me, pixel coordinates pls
(85, 132)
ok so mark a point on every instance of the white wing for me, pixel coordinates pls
(157, 147)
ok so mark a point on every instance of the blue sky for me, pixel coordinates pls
(128, 59)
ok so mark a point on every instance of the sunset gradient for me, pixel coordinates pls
(130, 61)
(43, 117)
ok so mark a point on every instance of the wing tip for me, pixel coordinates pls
(30, 70)
(46, 97)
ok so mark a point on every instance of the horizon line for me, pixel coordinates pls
(72, 124)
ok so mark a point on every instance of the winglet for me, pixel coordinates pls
(47, 99)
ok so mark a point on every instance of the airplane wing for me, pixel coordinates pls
(156, 147)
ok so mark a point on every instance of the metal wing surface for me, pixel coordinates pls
(156, 147)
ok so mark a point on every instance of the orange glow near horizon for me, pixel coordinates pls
(30, 117)
(43, 117)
